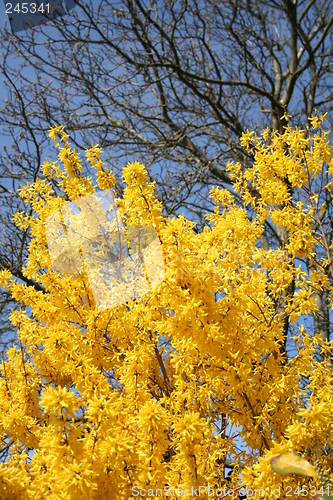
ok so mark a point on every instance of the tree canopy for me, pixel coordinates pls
(173, 84)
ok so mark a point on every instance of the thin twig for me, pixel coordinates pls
(23, 362)
(4, 369)
(208, 449)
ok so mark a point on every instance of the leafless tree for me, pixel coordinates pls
(173, 84)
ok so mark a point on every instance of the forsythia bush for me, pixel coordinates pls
(97, 402)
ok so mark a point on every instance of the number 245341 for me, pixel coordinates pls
(27, 7)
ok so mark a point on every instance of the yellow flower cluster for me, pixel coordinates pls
(92, 401)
